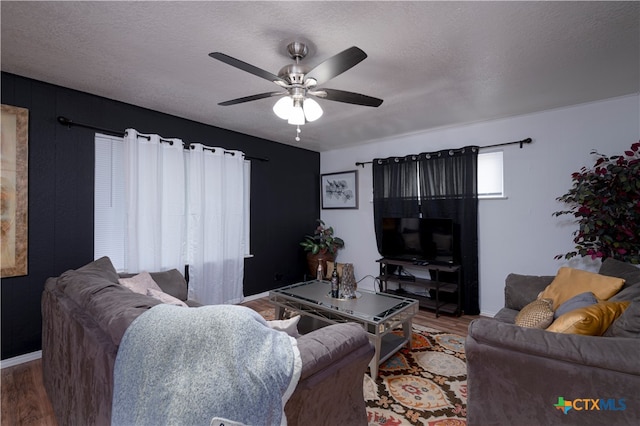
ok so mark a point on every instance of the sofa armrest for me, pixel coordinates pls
(519, 373)
(615, 354)
(329, 392)
(521, 290)
(329, 345)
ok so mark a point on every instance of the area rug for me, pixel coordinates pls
(426, 385)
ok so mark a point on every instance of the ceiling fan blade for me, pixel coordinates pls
(247, 67)
(347, 97)
(251, 98)
(336, 65)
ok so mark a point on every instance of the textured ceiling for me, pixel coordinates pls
(435, 64)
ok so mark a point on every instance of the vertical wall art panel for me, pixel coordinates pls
(14, 155)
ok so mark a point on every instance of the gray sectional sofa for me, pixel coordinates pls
(525, 376)
(86, 313)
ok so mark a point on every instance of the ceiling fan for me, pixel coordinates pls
(300, 81)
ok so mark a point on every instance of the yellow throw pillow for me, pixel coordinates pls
(570, 282)
(537, 314)
(591, 320)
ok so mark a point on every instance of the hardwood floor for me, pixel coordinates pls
(25, 402)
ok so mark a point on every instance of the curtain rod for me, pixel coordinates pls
(522, 142)
(67, 122)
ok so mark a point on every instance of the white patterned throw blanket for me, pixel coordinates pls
(212, 365)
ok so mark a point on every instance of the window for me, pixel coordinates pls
(490, 175)
(109, 201)
(109, 208)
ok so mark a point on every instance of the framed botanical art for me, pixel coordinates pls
(14, 156)
(339, 190)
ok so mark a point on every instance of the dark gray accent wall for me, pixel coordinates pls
(284, 196)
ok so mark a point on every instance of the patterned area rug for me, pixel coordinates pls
(426, 385)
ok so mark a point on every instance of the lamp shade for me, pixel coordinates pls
(297, 116)
(283, 107)
(312, 110)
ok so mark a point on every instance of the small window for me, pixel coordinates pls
(109, 208)
(490, 175)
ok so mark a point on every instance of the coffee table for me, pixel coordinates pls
(378, 313)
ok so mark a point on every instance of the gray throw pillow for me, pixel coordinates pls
(576, 302)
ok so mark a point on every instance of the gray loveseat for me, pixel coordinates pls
(86, 312)
(519, 375)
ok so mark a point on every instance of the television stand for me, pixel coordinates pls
(439, 287)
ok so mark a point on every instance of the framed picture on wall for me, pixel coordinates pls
(14, 186)
(339, 190)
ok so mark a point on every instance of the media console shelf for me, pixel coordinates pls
(435, 284)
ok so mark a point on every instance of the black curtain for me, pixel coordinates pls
(395, 191)
(440, 184)
(449, 189)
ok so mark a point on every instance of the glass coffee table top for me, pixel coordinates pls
(368, 305)
(379, 313)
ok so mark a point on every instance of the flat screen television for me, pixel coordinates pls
(419, 239)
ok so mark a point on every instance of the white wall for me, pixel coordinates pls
(517, 234)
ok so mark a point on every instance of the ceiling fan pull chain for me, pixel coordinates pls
(298, 134)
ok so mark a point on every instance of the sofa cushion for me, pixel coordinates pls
(570, 282)
(99, 268)
(165, 298)
(591, 320)
(171, 282)
(631, 275)
(578, 301)
(627, 293)
(616, 268)
(628, 324)
(140, 283)
(520, 290)
(537, 314)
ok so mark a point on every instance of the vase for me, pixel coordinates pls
(322, 257)
(348, 282)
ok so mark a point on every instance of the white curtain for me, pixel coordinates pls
(155, 198)
(215, 224)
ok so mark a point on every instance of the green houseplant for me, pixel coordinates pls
(322, 246)
(605, 202)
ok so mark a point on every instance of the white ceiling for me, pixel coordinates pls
(434, 63)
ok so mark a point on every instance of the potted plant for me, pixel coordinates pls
(605, 202)
(322, 246)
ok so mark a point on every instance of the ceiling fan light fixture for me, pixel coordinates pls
(312, 109)
(297, 115)
(284, 107)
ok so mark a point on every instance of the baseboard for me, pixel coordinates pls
(20, 359)
(255, 297)
(488, 314)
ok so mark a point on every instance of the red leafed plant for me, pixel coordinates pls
(605, 201)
